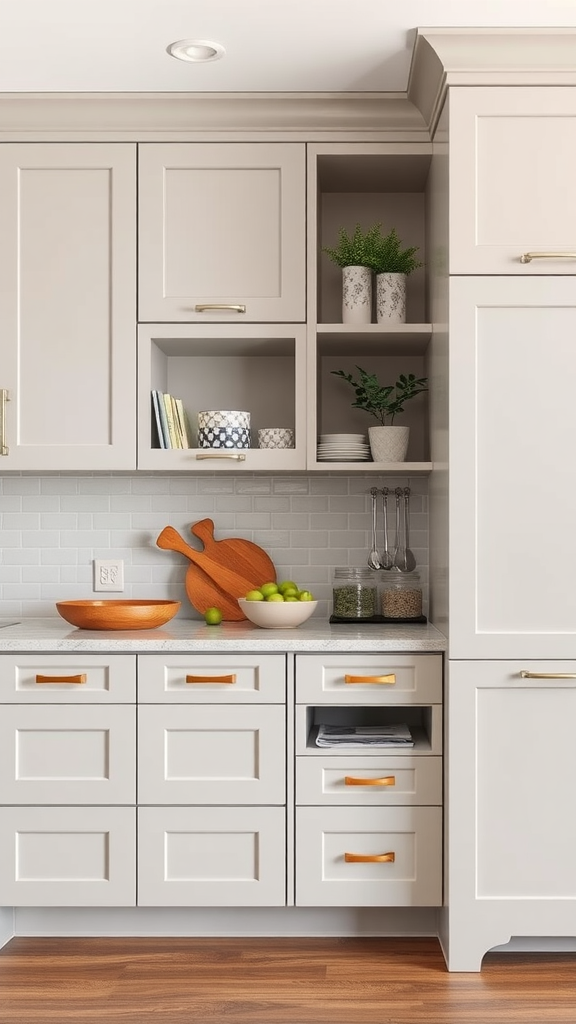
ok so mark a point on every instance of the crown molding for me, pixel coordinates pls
(444, 57)
(135, 116)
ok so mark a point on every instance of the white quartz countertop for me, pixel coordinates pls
(52, 634)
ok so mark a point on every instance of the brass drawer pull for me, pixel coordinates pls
(547, 675)
(238, 456)
(527, 257)
(366, 858)
(204, 307)
(212, 679)
(387, 780)
(80, 678)
(371, 679)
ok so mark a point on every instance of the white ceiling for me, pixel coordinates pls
(271, 45)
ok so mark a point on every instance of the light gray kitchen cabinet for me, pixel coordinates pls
(221, 232)
(68, 780)
(67, 302)
(512, 180)
(368, 828)
(212, 780)
(511, 778)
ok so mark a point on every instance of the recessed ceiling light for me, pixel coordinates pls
(197, 51)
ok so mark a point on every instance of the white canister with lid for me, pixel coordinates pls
(354, 593)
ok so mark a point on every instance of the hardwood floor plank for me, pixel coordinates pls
(275, 981)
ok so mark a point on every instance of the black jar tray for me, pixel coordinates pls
(377, 619)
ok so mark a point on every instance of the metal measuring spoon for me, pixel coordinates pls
(386, 561)
(374, 557)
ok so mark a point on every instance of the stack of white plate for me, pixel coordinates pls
(343, 448)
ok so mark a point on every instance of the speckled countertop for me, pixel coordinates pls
(190, 635)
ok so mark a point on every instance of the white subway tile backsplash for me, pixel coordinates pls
(51, 528)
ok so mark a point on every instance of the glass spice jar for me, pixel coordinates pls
(354, 592)
(401, 595)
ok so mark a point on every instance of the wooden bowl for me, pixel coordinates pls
(117, 614)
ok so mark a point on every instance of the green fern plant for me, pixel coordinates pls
(383, 401)
(359, 249)
(388, 256)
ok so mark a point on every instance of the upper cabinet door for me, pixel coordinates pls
(222, 232)
(512, 169)
(67, 306)
(512, 468)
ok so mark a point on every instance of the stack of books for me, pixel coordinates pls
(364, 736)
(172, 426)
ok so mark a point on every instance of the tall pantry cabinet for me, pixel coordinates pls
(511, 681)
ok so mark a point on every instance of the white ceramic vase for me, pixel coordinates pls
(391, 299)
(356, 295)
(389, 444)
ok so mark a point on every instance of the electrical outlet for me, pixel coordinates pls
(109, 574)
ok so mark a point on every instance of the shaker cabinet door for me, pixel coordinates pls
(513, 471)
(221, 232)
(512, 165)
(67, 297)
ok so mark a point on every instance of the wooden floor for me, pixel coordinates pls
(268, 981)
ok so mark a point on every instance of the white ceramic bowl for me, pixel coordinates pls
(277, 614)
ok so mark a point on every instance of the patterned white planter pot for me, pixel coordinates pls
(391, 298)
(356, 295)
(389, 444)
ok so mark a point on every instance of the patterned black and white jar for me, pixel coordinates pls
(223, 428)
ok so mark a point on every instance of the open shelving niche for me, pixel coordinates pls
(259, 368)
(379, 182)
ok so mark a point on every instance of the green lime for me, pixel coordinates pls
(269, 588)
(213, 616)
(254, 595)
(287, 586)
(275, 597)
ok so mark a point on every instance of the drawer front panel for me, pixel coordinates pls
(368, 678)
(211, 755)
(68, 856)
(212, 857)
(87, 679)
(371, 781)
(68, 755)
(248, 679)
(410, 837)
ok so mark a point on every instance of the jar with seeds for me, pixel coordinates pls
(401, 595)
(355, 594)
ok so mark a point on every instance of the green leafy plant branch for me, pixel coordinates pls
(382, 254)
(384, 402)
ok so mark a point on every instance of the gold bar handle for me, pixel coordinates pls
(212, 679)
(391, 679)
(80, 678)
(387, 780)
(204, 307)
(221, 455)
(527, 257)
(547, 675)
(4, 397)
(366, 858)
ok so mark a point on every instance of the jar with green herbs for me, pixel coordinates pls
(355, 594)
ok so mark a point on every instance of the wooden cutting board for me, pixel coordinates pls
(204, 593)
(242, 556)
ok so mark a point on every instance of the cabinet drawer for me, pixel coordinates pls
(211, 755)
(368, 678)
(68, 856)
(212, 678)
(371, 781)
(411, 838)
(212, 857)
(86, 679)
(67, 755)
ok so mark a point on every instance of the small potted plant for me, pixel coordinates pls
(356, 254)
(388, 441)
(392, 264)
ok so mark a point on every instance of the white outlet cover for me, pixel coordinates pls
(109, 574)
